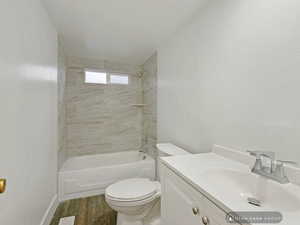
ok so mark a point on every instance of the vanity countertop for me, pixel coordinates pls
(228, 183)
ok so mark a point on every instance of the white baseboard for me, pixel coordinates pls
(50, 211)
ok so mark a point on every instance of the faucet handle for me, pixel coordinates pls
(282, 162)
(258, 154)
(280, 171)
(270, 155)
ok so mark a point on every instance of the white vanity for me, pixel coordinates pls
(203, 188)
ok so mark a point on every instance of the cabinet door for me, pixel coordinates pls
(179, 206)
(211, 213)
(180, 199)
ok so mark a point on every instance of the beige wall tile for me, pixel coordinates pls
(149, 111)
(100, 117)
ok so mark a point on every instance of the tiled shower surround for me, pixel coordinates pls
(149, 111)
(102, 118)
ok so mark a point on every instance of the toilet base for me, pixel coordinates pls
(127, 220)
(153, 218)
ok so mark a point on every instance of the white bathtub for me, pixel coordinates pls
(89, 175)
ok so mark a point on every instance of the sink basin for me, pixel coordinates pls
(229, 184)
(241, 185)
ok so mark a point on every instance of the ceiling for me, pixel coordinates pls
(128, 31)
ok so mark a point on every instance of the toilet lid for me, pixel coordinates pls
(131, 189)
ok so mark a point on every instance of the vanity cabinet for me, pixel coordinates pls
(184, 205)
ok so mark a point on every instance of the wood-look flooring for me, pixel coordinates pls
(87, 211)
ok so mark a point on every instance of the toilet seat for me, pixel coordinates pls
(135, 191)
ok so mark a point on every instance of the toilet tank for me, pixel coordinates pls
(168, 149)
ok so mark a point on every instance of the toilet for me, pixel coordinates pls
(137, 200)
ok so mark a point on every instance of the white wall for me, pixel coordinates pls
(232, 77)
(61, 86)
(28, 97)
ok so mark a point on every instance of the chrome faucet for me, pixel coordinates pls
(274, 171)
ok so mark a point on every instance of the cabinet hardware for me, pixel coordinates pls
(2, 185)
(205, 220)
(195, 211)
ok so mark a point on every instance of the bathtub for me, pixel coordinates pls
(89, 175)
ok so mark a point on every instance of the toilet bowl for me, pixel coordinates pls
(133, 199)
(137, 200)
